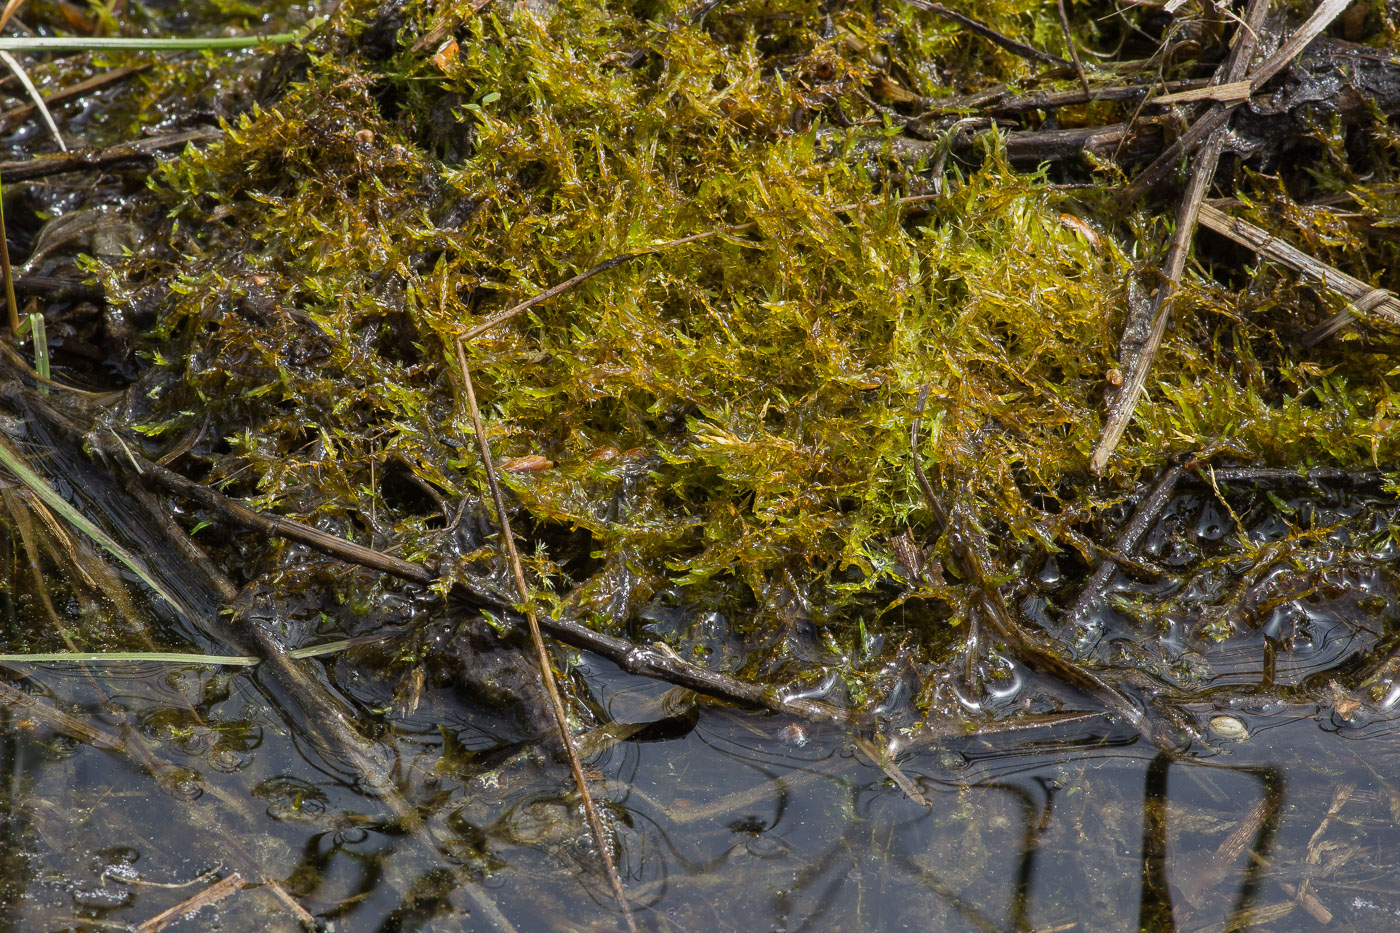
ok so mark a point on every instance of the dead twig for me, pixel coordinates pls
(95, 83)
(82, 159)
(1219, 114)
(1128, 539)
(1073, 49)
(1137, 366)
(988, 33)
(210, 895)
(1364, 299)
(561, 716)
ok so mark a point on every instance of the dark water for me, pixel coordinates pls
(738, 821)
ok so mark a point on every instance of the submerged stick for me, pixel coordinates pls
(561, 716)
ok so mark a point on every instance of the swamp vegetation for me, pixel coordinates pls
(915, 406)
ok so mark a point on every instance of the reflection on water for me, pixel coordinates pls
(726, 820)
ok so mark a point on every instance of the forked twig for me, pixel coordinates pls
(561, 716)
(1217, 115)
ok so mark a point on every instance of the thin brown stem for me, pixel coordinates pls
(5, 271)
(987, 32)
(1073, 49)
(556, 702)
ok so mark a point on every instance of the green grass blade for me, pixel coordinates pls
(104, 657)
(11, 459)
(142, 43)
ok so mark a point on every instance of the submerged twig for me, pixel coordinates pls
(561, 716)
(34, 95)
(210, 895)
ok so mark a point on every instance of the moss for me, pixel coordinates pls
(728, 421)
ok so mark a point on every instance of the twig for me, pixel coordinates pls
(1219, 114)
(304, 916)
(59, 720)
(1069, 41)
(56, 287)
(967, 545)
(1283, 475)
(81, 159)
(561, 716)
(1143, 516)
(635, 659)
(988, 33)
(1137, 368)
(210, 895)
(1364, 299)
(95, 83)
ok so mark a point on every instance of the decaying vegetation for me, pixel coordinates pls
(816, 345)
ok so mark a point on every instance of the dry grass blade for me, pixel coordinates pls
(12, 460)
(1365, 299)
(11, 8)
(595, 823)
(13, 64)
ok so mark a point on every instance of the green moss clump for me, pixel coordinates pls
(728, 421)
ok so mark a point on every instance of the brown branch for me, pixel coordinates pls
(95, 83)
(556, 702)
(1219, 114)
(82, 159)
(1143, 516)
(1073, 49)
(210, 895)
(988, 33)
